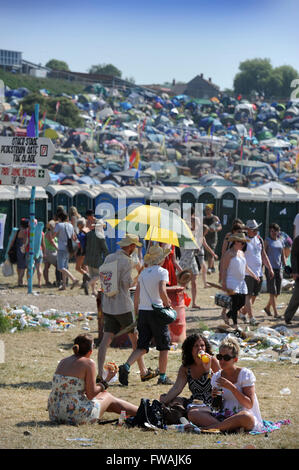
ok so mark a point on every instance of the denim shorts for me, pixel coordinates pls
(62, 259)
(149, 326)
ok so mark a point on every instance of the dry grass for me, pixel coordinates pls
(32, 356)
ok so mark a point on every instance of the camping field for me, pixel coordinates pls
(32, 354)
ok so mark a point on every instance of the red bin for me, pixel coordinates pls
(177, 329)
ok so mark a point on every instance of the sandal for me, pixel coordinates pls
(268, 312)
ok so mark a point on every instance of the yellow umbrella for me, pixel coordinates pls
(51, 133)
(157, 224)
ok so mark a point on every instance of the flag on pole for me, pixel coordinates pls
(31, 127)
(297, 160)
(106, 123)
(135, 159)
(242, 142)
(42, 121)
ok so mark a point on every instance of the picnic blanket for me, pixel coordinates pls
(269, 426)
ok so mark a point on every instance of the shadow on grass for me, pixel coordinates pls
(39, 385)
(39, 424)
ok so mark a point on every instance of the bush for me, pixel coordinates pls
(5, 323)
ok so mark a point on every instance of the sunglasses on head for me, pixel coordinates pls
(225, 357)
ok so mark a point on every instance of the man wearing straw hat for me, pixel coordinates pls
(118, 309)
(151, 289)
(256, 257)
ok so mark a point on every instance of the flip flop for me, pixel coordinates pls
(268, 312)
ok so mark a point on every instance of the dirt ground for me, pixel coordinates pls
(76, 301)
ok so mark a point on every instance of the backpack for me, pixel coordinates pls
(147, 413)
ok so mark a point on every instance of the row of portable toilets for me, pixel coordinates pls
(266, 204)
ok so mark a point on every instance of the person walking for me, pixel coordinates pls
(63, 231)
(118, 309)
(151, 289)
(294, 300)
(275, 252)
(96, 250)
(256, 257)
(233, 271)
(214, 224)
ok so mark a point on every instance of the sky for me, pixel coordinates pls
(154, 41)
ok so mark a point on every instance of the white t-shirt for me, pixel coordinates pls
(296, 225)
(246, 378)
(149, 280)
(61, 228)
(253, 255)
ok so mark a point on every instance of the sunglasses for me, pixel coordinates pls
(226, 357)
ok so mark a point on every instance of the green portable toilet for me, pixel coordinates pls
(211, 195)
(22, 204)
(227, 211)
(166, 197)
(283, 206)
(60, 195)
(252, 205)
(84, 198)
(7, 197)
(189, 197)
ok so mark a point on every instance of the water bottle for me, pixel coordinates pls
(122, 417)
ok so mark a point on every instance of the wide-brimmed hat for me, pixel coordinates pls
(129, 239)
(184, 277)
(155, 255)
(238, 237)
(252, 224)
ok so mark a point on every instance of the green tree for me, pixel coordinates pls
(254, 75)
(287, 75)
(57, 65)
(68, 113)
(105, 69)
(259, 75)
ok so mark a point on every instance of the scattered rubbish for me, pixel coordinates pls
(29, 316)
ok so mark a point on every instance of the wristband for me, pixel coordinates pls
(105, 384)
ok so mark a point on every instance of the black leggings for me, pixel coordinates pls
(238, 301)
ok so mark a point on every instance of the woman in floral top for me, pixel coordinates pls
(240, 407)
(75, 397)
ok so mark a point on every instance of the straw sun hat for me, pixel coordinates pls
(130, 239)
(184, 277)
(156, 255)
(238, 237)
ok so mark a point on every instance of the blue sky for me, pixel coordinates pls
(154, 41)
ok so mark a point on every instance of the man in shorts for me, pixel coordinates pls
(256, 257)
(118, 309)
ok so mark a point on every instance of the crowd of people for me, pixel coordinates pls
(79, 387)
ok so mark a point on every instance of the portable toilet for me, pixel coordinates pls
(22, 204)
(166, 197)
(116, 203)
(86, 195)
(251, 205)
(211, 195)
(7, 197)
(60, 195)
(282, 206)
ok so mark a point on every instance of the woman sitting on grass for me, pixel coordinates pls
(75, 397)
(240, 407)
(193, 371)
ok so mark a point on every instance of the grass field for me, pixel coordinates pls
(31, 356)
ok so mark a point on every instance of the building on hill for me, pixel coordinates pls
(198, 87)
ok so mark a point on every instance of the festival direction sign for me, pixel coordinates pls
(24, 150)
(24, 175)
